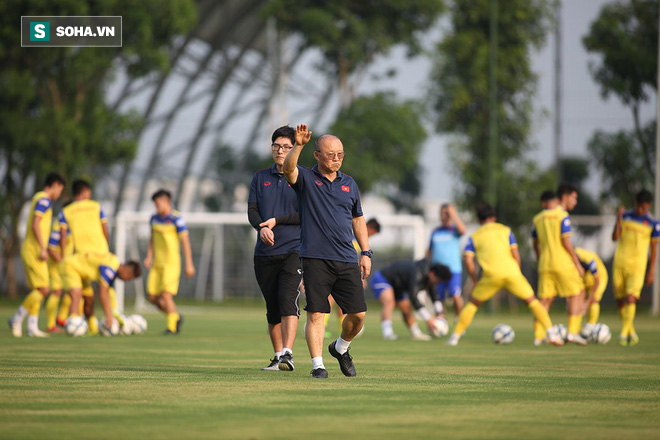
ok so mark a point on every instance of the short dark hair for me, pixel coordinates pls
(373, 223)
(548, 195)
(485, 211)
(285, 131)
(52, 178)
(565, 189)
(441, 271)
(137, 269)
(161, 193)
(644, 196)
(80, 185)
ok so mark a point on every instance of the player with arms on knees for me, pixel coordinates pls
(445, 249)
(638, 234)
(494, 246)
(398, 285)
(163, 259)
(35, 256)
(595, 282)
(273, 213)
(560, 271)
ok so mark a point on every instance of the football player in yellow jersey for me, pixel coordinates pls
(35, 256)
(53, 319)
(494, 246)
(560, 271)
(84, 267)
(595, 282)
(636, 231)
(85, 223)
(164, 258)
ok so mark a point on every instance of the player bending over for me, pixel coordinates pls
(494, 246)
(595, 282)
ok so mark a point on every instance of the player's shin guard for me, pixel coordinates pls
(51, 310)
(172, 318)
(65, 305)
(543, 322)
(628, 318)
(594, 313)
(465, 318)
(32, 302)
(574, 324)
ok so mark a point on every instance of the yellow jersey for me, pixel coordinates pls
(165, 235)
(40, 206)
(84, 218)
(93, 266)
(54, 240)
(549, 227)
(638, 232)
(492, 244)
(592, 265)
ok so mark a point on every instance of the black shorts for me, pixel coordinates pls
(343, 280)
(279, 279)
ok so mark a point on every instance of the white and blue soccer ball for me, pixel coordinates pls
(600, 334)
(139, 324)
(76, 326)
(503, 334)
(113, 330)
(561, 331)
(587, 331)
(441, 327)
(127, 328)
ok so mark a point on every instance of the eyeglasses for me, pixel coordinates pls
(331, 156)
(284, 148)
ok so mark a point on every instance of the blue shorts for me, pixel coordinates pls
(379, 283)
(452, 287)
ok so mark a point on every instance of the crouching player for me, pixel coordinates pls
(495, 247)
(595, 282)
(102, 268)
(164, 261)
(398, 285)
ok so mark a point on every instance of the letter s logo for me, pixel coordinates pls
(39, 31)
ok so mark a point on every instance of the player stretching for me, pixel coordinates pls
(636, 231)
(494, 246)
(595, 282)
(273, 212)
(445, 249)
(560, 271)
(35, 256)
(398, 285)
(164, 259)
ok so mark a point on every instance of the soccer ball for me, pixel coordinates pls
(76, 326)
(561, 330)
(139, 324)
(503, 334)
(601, 334)
(127, 328)
(113, 330)
(441, 327)
(587, 331)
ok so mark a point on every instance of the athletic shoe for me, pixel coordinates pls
(420, 337)
(576, 339)
(345, 360)
(319, 373)
(623, 341)
(554, 338)
(453, 340)
(633, 339)
(53, 329)
(168, 332)
(60, 322)
(179, 323)
(16, 328)
(273, 366)
(539, 342)
(391, 337)
(286, 362)
(36, 333)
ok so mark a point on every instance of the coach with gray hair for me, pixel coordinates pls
(330, 215)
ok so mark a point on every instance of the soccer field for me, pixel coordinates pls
(207, 383)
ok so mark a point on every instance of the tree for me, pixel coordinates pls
(350, 34)
(54, 115)
(383, 139)
(460, 98)
(625, 38)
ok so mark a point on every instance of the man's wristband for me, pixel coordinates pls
(368, 253)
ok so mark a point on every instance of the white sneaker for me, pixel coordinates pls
(391, 337)
(576, 339)
(16, 327)
(36, 333)
(420, 337)
(453, 340)
(539, 342)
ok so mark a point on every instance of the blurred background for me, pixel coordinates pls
(436, 101)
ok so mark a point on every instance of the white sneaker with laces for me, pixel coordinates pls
(16, 327)
(576, 339)
(36, 333)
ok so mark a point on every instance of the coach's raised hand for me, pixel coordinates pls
(303, 135)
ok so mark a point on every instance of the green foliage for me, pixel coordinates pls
(383, 139)
(460, 98)
(625, 38)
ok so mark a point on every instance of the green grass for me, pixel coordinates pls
(206, 383)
